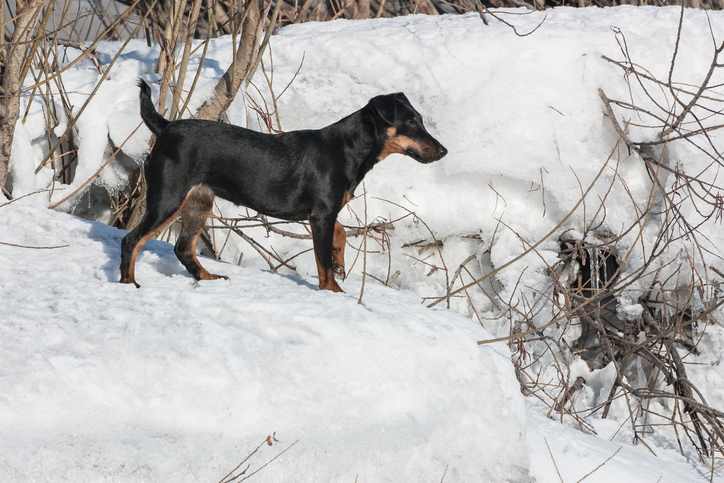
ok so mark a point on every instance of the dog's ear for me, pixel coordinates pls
(385, 107)
(401, 97)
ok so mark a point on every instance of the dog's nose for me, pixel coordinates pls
(443, 151)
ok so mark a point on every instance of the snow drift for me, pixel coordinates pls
(177, 381)
(520, 116)
(180, 381)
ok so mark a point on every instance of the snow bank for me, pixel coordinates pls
(521, 117)
(177, 381)
(559, 449)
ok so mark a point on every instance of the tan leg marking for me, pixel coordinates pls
(338, 244)
(139, 246)
(131, 278)
(326, 278)
(196, 210)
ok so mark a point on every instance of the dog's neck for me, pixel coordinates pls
(361, 142)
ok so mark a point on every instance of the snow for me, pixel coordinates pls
(102, 380)
(577, 455)
(181, 380)
(521, 118)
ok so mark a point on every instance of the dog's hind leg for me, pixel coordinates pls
(161, 210)
(195, 210)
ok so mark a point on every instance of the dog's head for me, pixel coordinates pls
(402, 129)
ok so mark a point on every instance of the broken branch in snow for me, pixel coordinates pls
(17, 245)
(245, 474)
(484, 10)
(364, 244)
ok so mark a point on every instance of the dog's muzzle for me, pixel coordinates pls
(432, 151)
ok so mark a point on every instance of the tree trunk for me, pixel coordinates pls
(241, 67)
(359, 9)
(24, 28)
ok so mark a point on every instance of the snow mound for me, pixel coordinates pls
(520, 116)
(178, 381)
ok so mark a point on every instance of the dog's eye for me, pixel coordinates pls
(411, 123)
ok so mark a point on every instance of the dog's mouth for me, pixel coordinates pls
(419, 157)
(413, 154)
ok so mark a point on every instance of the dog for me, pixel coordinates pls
(297, 175)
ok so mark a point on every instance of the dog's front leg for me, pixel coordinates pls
(339, 242)
(323, 236)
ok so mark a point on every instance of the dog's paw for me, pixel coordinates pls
(213, 276)
(129, 280)
(339, 270)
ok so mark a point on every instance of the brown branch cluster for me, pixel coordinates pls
(221, 12)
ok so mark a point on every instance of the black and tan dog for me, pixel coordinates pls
(296, 175)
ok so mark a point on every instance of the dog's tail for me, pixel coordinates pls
(155, 121)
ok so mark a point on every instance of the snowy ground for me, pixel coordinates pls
(179, 380)
(176, 380)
